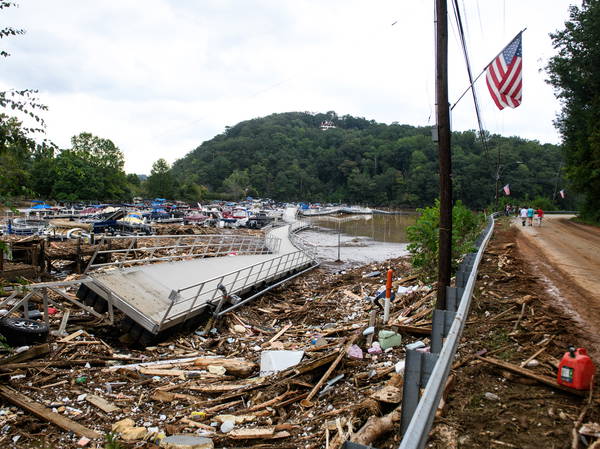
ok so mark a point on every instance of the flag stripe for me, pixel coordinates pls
(504, 77)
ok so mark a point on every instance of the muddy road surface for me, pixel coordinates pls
(567, 255)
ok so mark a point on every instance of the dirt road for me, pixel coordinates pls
(567, 256)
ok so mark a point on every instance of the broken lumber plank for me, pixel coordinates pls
(226, 405)
(25, 365)
(313, 364)
(389, 394)
(372, 322)
(72, 336)
(351, 295)
(237, 367)
(278, 334)
(271, 402)
(31, 353)
(167, 396)
(46, 414)
(192, 423)
(222, 387)
(416, 330)
(546, 380)
(306, 402)
(163, 372)
(101, 403)
(403, 280)
(523, 364)
(256, 432)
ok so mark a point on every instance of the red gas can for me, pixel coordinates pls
(576, 369)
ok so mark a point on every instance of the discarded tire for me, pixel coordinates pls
(21, 331)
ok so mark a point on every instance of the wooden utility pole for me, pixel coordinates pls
(443, 126)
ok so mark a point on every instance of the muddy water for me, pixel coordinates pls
(363, 239)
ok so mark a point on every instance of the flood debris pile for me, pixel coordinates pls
(308, 365)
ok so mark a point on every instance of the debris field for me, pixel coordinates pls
(308, 365)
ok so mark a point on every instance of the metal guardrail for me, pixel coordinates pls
(299, 242)
(184, 247)
(417, 429)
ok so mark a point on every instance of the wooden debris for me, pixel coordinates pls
(376, 426)
(306, 402)
(252, 433)
(163, 372)
(534, 355)
(278, 334)
(388, 394)
(31, 353)
(72, 336)
(42, 412)
(546, 380)
(101, 403)
(237, 367)
(167, 396)
(416, 330)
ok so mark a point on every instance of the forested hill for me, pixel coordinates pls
(288, 157)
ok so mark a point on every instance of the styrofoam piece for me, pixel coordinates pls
(274, 361)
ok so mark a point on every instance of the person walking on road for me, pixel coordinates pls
(540, 215)
(523, 215)
(530, 213)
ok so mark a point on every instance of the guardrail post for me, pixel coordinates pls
(440, 325)
(412, 384)
(418, 369)
(453, 296)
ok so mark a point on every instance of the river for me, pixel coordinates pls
(363, 239)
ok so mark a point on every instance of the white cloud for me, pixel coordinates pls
(158, 77)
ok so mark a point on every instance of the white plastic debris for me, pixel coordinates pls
(274, 361)
(399, 367)
(227, 426)
(416, 345)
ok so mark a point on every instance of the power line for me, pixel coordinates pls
(461, 33)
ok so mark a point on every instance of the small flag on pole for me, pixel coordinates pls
(503, 75)
(562, 194)
(506, 189)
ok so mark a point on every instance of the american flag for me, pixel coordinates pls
(503, 75)
(506, 189)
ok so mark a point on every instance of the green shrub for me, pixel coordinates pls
(424, 237)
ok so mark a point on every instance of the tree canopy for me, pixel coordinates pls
(289, 157)
(574, 75)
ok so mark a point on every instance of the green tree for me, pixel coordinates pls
(16, 149)
(43, 170)
(574, 74)
(237, 183)
(75, 179)
(287, 157)
(424, 237)
(108, 163)
(160, 183)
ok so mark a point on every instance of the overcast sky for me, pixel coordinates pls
(159, 77)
